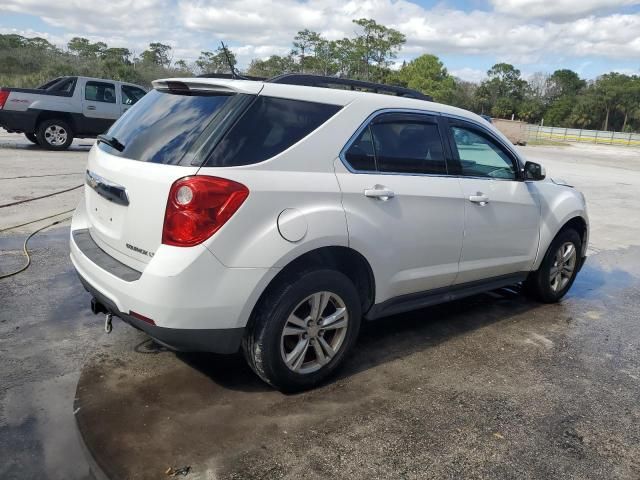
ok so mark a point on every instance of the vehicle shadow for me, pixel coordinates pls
(384, 340)
(402, 335)
(84, 146)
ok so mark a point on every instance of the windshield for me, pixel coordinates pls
(164, 126)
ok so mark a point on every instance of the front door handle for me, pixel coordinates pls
(481, 199)
(380, 192)
(91, 107)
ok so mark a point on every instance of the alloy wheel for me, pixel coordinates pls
(314, 332)
(564, 264)
(55, 135)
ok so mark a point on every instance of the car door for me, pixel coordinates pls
(130, 96)
(100, 106)
(404, 212)
(502, 212)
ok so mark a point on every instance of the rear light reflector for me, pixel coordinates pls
(4, 94)
(198, 206)
(141, 317)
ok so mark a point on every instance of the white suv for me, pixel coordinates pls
(226, 214)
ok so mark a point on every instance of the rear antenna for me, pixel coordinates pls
(234, 73)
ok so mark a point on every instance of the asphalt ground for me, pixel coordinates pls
(494, 386)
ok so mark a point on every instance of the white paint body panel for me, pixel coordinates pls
(412, 241)
(428, 236)
(502, 236)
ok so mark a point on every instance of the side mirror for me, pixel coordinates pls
(534, 171)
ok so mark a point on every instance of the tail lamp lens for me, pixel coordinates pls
(4, 94)
(198, 206)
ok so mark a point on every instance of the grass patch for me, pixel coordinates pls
(541, 142)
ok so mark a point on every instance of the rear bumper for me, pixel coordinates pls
(14, 121)
(196, 303)
(217, 340)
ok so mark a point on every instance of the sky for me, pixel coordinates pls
(591, 37)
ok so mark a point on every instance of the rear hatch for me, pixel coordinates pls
(158, 141)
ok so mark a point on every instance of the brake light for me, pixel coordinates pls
(4, 94)
(198, 206)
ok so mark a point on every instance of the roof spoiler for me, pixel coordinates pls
(188, 86)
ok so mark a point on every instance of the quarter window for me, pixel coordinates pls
(481, 156)
(268, 127)
(361, 155)
(100, 92)
(398, 146)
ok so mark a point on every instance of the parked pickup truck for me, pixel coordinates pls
(66, 108)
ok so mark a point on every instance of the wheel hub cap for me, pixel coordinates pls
(314, 332)
(564, 264)
(55, 135)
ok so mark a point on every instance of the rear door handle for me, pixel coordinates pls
(379, 192)
(481, 199)
(91, 107)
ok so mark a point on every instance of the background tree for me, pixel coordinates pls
(428, 75)
(376, 46)
(304, 44)
(564, 83)
(562, 99)
(157, 54)
(272, 66)
(216, 62)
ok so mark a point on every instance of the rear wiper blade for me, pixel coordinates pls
(111, 141)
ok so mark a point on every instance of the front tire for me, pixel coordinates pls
(303, 329)
(558, 270)
(54, 134)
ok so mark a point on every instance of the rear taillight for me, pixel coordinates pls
(4, 94)
(198, 206)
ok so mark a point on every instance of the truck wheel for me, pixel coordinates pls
(31, 137)
(54, 134)
(303, 329)
(558, 270)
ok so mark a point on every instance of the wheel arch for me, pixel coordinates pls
(343, 259)
(51, 115)
(574, 221)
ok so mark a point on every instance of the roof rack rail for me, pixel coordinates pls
(347, 84)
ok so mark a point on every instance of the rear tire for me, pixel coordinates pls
(32, 138)
(303, 329)
(54, 134)
(558, 269)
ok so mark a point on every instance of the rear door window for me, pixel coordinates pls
(399, 143)
(268, 127)
(100, 92)
(164, 126)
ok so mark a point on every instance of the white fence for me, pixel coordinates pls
(536, 132)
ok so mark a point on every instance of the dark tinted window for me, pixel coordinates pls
(62, 86)
(480, 156)
(408, 147)
(268, 127)
(100, 92)
(400, 146)
(361, 155)
(131, 95)
(163, 126)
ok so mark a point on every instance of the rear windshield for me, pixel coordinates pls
(219, 130)
(163, 126)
